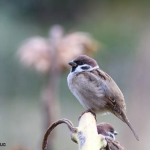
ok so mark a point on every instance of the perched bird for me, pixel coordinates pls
(108, 132)
(95, 89)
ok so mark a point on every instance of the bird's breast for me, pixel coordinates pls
(87, 92)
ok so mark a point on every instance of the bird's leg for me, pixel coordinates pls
(87, 112)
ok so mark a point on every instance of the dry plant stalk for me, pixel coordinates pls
(85, 135)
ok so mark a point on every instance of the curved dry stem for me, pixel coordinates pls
(51, 127)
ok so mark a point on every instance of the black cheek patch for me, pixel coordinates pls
(85, 67)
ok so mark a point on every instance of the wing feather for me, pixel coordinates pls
(112, 93)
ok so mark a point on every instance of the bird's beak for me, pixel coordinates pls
(115, 133)
(73, 64)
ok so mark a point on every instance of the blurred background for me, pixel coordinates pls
(122, 29)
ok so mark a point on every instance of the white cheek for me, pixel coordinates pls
(79, 68)
(110, 134)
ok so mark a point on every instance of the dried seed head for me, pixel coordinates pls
(35, 52)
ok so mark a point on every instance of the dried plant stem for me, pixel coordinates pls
(49, 130)
(85, 135)
(50, 99)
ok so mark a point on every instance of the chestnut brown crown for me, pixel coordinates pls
(83, 59)
(105, 129)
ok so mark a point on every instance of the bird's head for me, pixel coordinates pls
(106, 130)
(83, 63)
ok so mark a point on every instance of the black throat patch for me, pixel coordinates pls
(73, 69)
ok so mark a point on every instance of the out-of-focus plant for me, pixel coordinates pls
(50, 56)
(37, 51)
(75, 44)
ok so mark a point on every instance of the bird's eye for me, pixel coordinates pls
(80, 63)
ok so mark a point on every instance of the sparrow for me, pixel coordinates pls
(108, 132)
(95, 89)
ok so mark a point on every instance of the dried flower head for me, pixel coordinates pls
(75, 44)
(35, 52)
(38, 52)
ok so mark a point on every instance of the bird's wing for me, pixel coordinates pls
(112, 94)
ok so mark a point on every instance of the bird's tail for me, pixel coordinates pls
(125, 119)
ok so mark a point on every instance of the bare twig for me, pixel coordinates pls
(55, 124)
